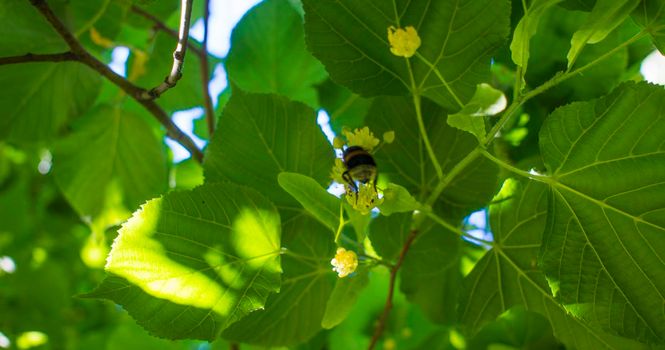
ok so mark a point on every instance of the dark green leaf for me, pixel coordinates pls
(122, 158)
(271, 37)
(388, 234)
(345, 108)
(650, 14)
(43, 97)
(430, 275)
(191, 263)
(458, 39)
(294, 315)
(606, 228)
(315, 199)
(260, 136)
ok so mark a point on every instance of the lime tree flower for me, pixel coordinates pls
(361, 137)
(344, 262)
(337, 171)
(365, 199)
(403, 41)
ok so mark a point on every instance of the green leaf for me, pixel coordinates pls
(516, 328)
(343, 297)
(260, 136)
(388, 234)
(345, 108)
(406, 163)
(121, 158)
(526, 29)
(486, 101)
(294, 315)
(36, 34)
(396, 199)
(43, 97)
(604, 18)
(271, 36)
(508, 274)
(606, 229)
(650, 14)
(315, 199)
(358, 221)
(431, 275)
(191, 263)
(458, 40)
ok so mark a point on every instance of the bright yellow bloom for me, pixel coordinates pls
(365, 199)
(361, 137)
(403, 42)
(337, 171)
(344, 262)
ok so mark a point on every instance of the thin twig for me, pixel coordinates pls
(391, 290)
(83, 56)
(157, 23)
(30, 57)
(201, 53)
(178, 55)
(205, 71)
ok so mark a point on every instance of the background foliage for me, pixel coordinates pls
(526, 142)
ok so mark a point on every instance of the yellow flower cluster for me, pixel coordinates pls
(361, 137)
(344, 262)
(403, 42)
(365, 199)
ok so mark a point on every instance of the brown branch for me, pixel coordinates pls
(205, 72)
(83, 56)
(30, 57)
(178, 55)
(157, 23)
(391, 290)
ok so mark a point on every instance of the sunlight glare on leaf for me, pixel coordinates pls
(4, 341)
(7, 264)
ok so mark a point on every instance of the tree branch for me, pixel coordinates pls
(205, 72)
(83, 56)
(157, 23)
(391, 290)
(30, 57)
(201, 53)
(178, 55)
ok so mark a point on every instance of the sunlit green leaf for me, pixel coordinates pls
(343, 297)
(43, 98)
(121, 158)
(271, 37)
(486, 101)
(294, 315)
(260, 136)
(526, 29)
(605, 17)
(396, 199)
(606, 227)
(314, 198)
(350, 38)
(508, 274)
(191, 263)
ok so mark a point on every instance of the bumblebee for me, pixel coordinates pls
(360, 166)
